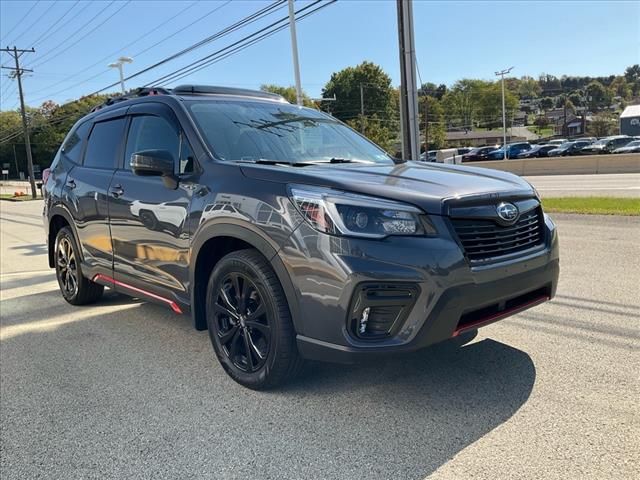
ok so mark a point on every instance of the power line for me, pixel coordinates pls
(15, 40)
(260, 13)
(19, 22)
(219, 55)
(106, 57)
(45, 36)
(42, 61)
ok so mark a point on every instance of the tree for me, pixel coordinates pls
(289, 93)
(546, 103)
(345, 85)
(436, 121)
(602, 125)
(431, 90)
(598, 96)
(376, 130)
(529, 88)
(632, 73)
(621, 87)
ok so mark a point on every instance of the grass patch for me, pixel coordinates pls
(593, 205)
(23, 198)
(542, 132)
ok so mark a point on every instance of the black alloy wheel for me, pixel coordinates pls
(242, 321)
(249, 321)
(75, 288)
(67, 270)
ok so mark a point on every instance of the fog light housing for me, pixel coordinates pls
(377, 310)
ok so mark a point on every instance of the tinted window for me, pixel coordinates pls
(149, 132)
(72, 148)
(104, 144)
(186, 156)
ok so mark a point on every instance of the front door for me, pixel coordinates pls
(149, 225)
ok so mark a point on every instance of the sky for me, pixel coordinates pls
(76, 40)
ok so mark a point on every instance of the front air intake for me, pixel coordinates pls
(378, 310)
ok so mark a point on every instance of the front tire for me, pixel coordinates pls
(249, 322)
(75, 288)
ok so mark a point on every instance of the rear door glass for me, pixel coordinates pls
(104, 144)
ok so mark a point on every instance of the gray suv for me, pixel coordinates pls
(286, 234)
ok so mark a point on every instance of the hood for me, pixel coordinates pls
(425, 185)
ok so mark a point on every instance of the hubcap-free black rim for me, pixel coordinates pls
(67, 268)
(242, 322)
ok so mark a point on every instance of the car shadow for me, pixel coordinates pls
(149, 382)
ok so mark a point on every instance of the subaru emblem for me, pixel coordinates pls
(507, 212)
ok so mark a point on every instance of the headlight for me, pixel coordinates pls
(342, 213)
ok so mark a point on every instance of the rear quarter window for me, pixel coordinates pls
(104, 144)
(72, 147)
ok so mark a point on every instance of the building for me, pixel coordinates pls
(630, 121)
(476, 138)
(572, 127)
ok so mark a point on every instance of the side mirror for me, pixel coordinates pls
(152, 163)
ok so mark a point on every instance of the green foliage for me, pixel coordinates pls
(602, 125)
(289, 93)
(470, 103)
(598, 96)
(436, 126)
(374, 129)
(378, 96)
(529, 88)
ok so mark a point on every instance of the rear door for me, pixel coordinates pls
(148, 218)
(85, 192)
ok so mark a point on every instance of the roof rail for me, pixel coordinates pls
(137, 93)
(213, 90)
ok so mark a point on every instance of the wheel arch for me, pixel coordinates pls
(59, 217)
(217, 240)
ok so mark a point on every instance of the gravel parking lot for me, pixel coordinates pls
(127, 389)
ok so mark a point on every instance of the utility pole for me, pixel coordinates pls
(361, 109)
(502, 73)
(426, 127)
(16, 53)
(294, 51)
(15, 159)
(408, 82)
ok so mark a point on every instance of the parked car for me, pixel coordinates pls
(536, 151)
(557, 141)
(455, 155)
(631, 147)
(478, 154)
(513, 150)
(429, 156)
(569, 148)
(315, 243)
(606, 145)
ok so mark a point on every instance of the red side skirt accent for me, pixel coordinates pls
(500, 315)
(100, 278)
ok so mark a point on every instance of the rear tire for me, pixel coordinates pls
(75, 288)
(249, 322)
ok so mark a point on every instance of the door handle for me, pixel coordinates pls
(117, 191)
(71, 183)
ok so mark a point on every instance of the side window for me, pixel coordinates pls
(149, 132)
(104, 144)
(72, 148)
(186, 156)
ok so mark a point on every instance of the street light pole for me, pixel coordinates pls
(294, 51)
(502, 73)
(121, 61)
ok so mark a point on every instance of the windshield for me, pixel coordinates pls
(252, 131)
(635, 143)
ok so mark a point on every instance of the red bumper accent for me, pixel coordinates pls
(500, 315)
(106, 279)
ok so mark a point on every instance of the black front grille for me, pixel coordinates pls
(485, 239)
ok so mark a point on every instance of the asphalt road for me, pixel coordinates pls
(603, 185)
(126, 389)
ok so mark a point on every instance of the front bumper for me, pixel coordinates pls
(327, 272)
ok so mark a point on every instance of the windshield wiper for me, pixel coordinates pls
(265, 161)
